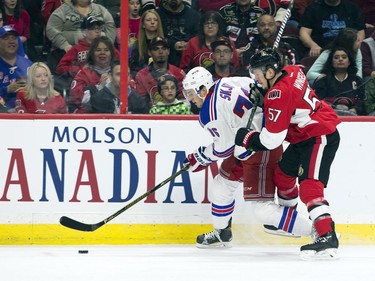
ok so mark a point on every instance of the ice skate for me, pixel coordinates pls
(270, 229)
(217, 238)
(323, 248)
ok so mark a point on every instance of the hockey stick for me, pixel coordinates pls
(283, 24)
(73, 224)
(255, 105)
(275, 46)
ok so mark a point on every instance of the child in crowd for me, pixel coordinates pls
(167, 87)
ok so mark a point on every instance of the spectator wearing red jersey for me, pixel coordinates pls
(16, 17)
(95, 73)
(199, 51)
(75, 58)
(147, 78)
(276, 8)
(39, 95)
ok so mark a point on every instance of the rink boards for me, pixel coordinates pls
(87, 168)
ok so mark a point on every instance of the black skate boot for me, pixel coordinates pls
(324, 247)
(216, 238)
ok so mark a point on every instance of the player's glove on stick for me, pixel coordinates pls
(245, 138)
(197, 160)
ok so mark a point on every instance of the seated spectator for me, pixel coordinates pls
(368, 57)
(13, 67)
(147, 78)
(275, 8)
(39, 95)
(267, 30)
(180, 23)
(198, 51)
(75, 58)
(150, 28)
(16, 17)
(347, 38)
(64, 26)
(339, 85)
(21, 50)
(95, 73)
(107, 100)
(223, 54)
(134, 23)
(240, 19)
(167, 87)
(323, 20)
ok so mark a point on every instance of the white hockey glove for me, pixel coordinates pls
(198, 160)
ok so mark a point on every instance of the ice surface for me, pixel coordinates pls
(181, 263)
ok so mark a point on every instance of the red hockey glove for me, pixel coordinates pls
(244, 138)
(197, 160)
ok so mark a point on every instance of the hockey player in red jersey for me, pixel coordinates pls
(224, 108)
(294, 113)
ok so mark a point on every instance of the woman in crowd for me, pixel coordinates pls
(198, 51)
(39, 95)
(96, 73)
(16, 17)
(64, 25)
(339, 85)
(150, 27)
(347, 38)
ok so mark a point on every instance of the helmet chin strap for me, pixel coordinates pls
(265, 76)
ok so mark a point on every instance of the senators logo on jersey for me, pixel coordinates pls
(274, 94)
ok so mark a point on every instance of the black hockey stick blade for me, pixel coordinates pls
(70, 223)
(77, 225)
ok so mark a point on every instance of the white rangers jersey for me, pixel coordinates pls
(227, 108)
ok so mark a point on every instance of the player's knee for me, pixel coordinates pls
(223, 190)
(310, 189)
(282, 180)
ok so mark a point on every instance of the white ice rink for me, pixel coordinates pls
(181, 263)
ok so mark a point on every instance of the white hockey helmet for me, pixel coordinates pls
(195, 79)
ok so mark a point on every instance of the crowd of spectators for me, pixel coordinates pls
(55, 52)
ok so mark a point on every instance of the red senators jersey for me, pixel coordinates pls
(54, 104)
(293, 112)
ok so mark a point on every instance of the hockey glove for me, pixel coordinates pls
(197, 160)
(255, 94)
(245, 138)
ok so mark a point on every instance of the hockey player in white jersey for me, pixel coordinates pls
(224, 108)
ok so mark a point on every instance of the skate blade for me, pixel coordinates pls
(327, 254)
(280, 232)
(220, 245)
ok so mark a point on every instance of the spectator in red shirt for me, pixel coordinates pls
(16, 17)
(147, 78)
(75, 58)
(199, 51)
(95, 73)
(39, 95)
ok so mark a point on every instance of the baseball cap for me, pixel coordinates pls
(167, 77)
(6, 29)
(91, 21)
(158, 41)
(221, 41)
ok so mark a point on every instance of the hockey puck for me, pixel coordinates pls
(83, 252)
